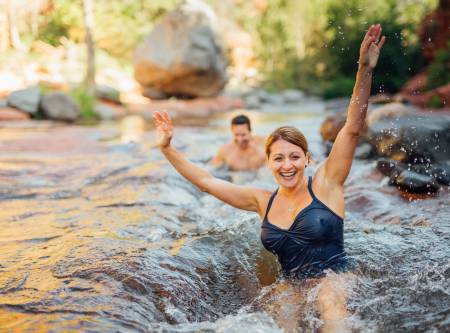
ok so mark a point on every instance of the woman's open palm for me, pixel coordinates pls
(371, 46)
(164, 128)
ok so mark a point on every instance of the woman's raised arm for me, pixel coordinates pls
(242, 197)
(337, 165)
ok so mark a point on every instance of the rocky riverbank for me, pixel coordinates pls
(411, 146)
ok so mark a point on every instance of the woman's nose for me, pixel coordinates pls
(286, 163)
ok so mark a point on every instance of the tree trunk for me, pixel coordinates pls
(4, 41)
(14, 38)
(89, 27)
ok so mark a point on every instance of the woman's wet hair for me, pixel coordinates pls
(289, 134)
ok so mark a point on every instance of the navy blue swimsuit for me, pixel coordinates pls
(313, 243)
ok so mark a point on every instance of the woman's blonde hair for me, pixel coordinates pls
(289, 134)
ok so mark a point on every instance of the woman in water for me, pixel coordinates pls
(302, 221)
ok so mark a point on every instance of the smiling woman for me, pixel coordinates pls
(306, 214)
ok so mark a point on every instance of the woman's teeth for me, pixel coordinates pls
(287, 174)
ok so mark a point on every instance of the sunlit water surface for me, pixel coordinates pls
(99, 233)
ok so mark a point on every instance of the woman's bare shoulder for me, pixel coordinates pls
(262, 197)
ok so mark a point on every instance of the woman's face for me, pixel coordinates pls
(287, 163)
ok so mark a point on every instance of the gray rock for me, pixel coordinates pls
(183, 56)
(106, 112)
(387, 111)
(263, 95)
(293, 96)
(153, 93)
(414, 182)
(275, 99)
(26, 99)
(363, 151)
(415, 139)
(107, 93)
(441, 173)
(252, 102)
(59, 106)
(390, 168)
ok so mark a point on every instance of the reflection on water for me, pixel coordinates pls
(110, 238)
(132, 129)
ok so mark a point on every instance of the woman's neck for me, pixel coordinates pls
(291, 192)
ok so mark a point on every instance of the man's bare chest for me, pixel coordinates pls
(238, 160)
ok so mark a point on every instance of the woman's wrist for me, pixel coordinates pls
(365, 69)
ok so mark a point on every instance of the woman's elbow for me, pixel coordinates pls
(354, 130)
(204, 184)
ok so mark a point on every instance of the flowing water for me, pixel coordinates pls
(98, 233)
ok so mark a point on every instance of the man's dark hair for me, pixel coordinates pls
(241, 120)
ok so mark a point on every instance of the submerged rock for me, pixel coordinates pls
(414, 182)
(183, 56)
(415, 178)
(441, 173)
(59, 106)
(26, 99)
(389, 168)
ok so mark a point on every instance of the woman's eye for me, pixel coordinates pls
(295, 157)
(278, 159)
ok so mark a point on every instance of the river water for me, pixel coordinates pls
(99, 233)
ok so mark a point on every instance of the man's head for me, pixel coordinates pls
(241, 129)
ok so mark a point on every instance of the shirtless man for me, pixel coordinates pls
(245, 152)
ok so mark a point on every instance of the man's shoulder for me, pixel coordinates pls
(225, 147)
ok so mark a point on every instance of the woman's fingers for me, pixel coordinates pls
(368, 33)
(166, 117)
(155, 118)
(367, 43)
(161, 117)
(381, 43)
(377, 37)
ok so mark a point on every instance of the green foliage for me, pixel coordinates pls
(340, 86)
(436, 102)
(85, 100)
(310, 44)
(274, 41)
(439, 70)
(64, 20)
(119, 24)
(275, 47)
(347, 24)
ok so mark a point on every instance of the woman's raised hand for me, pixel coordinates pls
(371, 46)
(164, 128)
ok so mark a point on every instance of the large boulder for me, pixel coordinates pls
(389, 110)
(26, 99)
(59, 106)
(332, 125)
(417, 139)
(182, 56)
